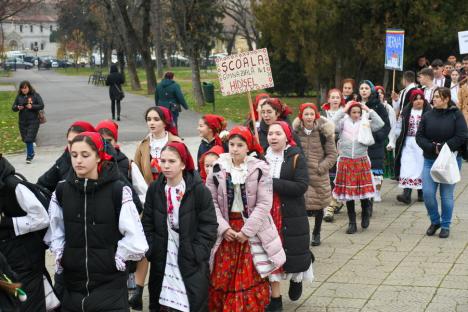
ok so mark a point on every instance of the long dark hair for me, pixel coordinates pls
(159, 111)
(26, 83)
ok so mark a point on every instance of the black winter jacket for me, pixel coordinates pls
(198, 231)
(291, 187)
(442, 126)
(28, 118)
(115, 80)
(376, 152)
(405, 116)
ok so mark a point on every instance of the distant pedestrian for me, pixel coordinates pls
(115, 80)
(28, 102)
(169, 95)
(444, 124)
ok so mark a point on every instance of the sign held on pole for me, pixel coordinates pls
(394, 49)
(244, 72)
(463, 41)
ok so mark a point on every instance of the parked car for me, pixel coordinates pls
(12, 63)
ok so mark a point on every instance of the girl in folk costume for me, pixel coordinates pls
(369, 97)
(389, 163)
(210, 127)
(318, 140)
(241, 186)
(94, 229)
(348, 86)
(335, 102)
(288, 169)
(161, 131)
(62, 167)
(180, 225)
(257, 104)
(353, 176)
(207, 161)
(409, 159)
(22, 217)
(272, 109)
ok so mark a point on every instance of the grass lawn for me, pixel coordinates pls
(234, 107)
(10, 140)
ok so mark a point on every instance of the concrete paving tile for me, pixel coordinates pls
(459, 296)
(343, 290)
(463, 257)
(317, 301)
(381, 306)
(441, 307)
(380, 255)
(455, 281)
(403, 294)
(459, 269)
(347, 303)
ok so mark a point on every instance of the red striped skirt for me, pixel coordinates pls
(235, 283)
(353, 179)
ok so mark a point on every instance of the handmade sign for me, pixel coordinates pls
(244, 72)
(394, 49)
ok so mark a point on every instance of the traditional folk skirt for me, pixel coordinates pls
(353, 179)
(278, 220)
(412, 162)
(235, 282)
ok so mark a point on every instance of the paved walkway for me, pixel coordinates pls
(391, 266)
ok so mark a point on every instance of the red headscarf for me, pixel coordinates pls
(287, 131)
(86, 126)
(109, 125)
(169, 121)
(377, 88)
(217, 150)
(303, 106)
(282, 109)
(326, 106)
(414, 93)
(99, 143)
(258, 98)
(184, 154)
(217, 124)
(354, 104)
(245, 133)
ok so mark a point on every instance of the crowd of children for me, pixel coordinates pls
(221, 232)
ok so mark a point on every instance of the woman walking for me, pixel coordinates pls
(444, 124)
(318, 144)
(241, 186)
(28, 103)
(354, 176)
(180, 225)
(409, 160)
(115, 80)
(288, 169)
(94, 229)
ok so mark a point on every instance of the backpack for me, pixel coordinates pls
(41, 193)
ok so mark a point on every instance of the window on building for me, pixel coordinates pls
(21, 28)
(32, 46)
(31, 28)
(51, 29)
(42, 46)
(42, 28)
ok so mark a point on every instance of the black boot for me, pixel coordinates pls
(352, 217)
(136, 300)
(276, 305)
(295, 290)
(371, 207)
(420, 196)
(405, 197)
(365, 215)
(315, 240)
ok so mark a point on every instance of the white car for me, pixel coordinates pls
(54, 64)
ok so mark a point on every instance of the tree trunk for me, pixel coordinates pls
(149, 69)
(131, 66)
(385, 80)
(196, 82)
(144, 47)
(158, 37)
(121, 60)
(338, 72)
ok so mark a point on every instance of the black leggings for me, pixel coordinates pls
(365, 204)
(113, 102)
(318, 221)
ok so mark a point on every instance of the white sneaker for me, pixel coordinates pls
(377, 197)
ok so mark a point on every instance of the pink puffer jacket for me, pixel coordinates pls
(259, 202)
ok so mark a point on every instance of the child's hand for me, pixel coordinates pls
(241, 238)
(230, 235)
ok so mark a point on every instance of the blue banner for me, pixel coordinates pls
(394, 49)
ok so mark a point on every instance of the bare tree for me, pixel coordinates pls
(158, 33)
(9, 8)
(241, 13)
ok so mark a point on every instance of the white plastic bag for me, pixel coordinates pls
(139, 183)
(445, 168)
(365, 136)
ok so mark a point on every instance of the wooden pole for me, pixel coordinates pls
(252, 115)
(393, 85)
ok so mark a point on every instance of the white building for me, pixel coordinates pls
(30, 30)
